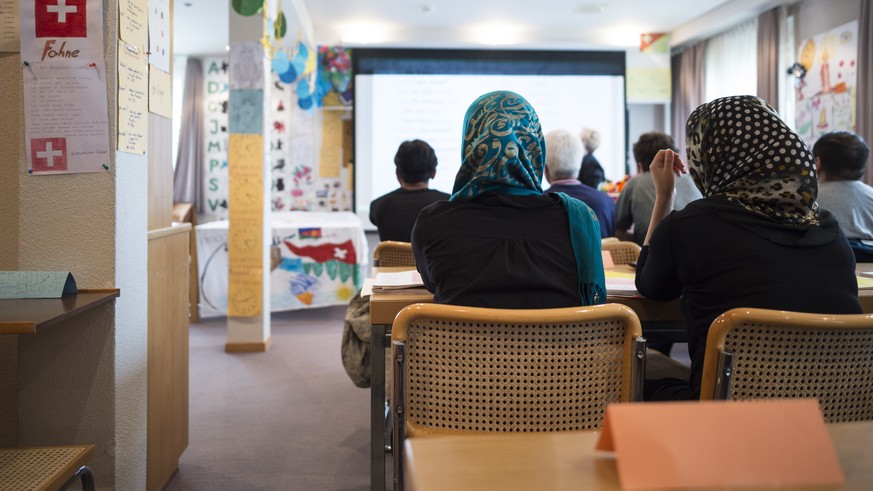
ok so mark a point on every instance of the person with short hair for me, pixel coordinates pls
(590, 172)
(634, 204)
(840, 160)
(394, 214)
(563, 159)
(499, 242)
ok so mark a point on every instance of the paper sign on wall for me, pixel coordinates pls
(160, 92)
(132, 99)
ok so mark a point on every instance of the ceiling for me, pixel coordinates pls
(200, 27)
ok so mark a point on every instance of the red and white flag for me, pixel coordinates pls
(48, 154)
(61, 18)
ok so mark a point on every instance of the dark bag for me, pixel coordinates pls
(356, 341)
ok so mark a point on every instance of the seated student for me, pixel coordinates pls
(395, 213)
(840, 159)
(634, 205)
(500, 242)
(563, 155)
(757, 238)
(590, 172)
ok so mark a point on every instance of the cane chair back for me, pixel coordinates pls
(390, 253)
(466, 369)
(623, 252)
(766, 354)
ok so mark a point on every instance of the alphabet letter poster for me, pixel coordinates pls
(64, 75)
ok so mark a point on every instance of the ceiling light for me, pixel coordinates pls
(590, 8)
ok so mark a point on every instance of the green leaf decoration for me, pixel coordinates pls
(317, 268)
(247, 7)
(280, 26)
(358, 279)
(345, 271)
(331, 268)
(307, 267)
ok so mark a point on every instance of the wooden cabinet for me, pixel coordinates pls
(167, 432)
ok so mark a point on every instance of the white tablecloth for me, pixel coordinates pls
(317, 260)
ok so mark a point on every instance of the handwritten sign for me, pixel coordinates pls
(132, 99)
(133, 23)
(160, 92)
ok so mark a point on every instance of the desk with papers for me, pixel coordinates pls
(567, 460)
(661, 322)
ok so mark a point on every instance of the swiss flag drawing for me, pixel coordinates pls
(61, 18)
(48, 154)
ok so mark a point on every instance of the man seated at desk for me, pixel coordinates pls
(394, 214)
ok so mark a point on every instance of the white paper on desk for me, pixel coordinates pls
(621, 287)
(367, 288)
(36, 284)
(398, 280)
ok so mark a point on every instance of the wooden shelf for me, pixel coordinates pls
(27, 315)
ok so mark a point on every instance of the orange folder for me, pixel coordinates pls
(720, 444)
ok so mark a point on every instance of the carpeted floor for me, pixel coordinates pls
(287, 419)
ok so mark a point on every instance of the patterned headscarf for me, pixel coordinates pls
(738, 148)
(503, 148)
(504, 152)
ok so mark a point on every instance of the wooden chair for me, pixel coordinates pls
(390, 253)
(623, 252)
(467, 369)
(764, 354)
(46, 468)
(609, 239)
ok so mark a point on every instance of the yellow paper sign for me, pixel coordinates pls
(132, 99)
(160, 92)
(331, 144)
(244, 292)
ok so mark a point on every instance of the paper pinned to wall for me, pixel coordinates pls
(246, 66)
(247, 111)
(133, 22)
(132, 99)
(331, 144)
(244, 292)
(159, 33)
(36, 284)
(9, 26)
(160, 92)
(246, 246)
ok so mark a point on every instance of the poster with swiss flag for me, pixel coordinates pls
(66, 117)
(61, 18)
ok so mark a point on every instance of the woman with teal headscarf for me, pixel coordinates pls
(499, 241)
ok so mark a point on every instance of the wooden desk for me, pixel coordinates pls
(661, 321)
(27, 315)
(567, 461)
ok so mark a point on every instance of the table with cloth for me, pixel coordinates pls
(317, 259)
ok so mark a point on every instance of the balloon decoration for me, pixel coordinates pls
(247, 7)
(317, 74)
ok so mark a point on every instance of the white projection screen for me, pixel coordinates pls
(407, 94)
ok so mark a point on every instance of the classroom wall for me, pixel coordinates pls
(643, 118)
(814, 17)
(11, 93)
(82, 380)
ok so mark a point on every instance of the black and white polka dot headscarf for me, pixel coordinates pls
(738, 148)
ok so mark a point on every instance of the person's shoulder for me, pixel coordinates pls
(385, 197)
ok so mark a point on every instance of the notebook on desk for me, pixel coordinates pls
(398, 282)
(620, 284)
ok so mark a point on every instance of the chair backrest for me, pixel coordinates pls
(764, 354)
(390, 253)
(467, 369)
(623, 252)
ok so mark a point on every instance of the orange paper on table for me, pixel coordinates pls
(607, 260)
(720, 443)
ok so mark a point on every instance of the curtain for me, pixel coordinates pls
(687, 68)
(731, 66)
(787, 57)
(188, 177)
(769, 70)
(864, 123)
